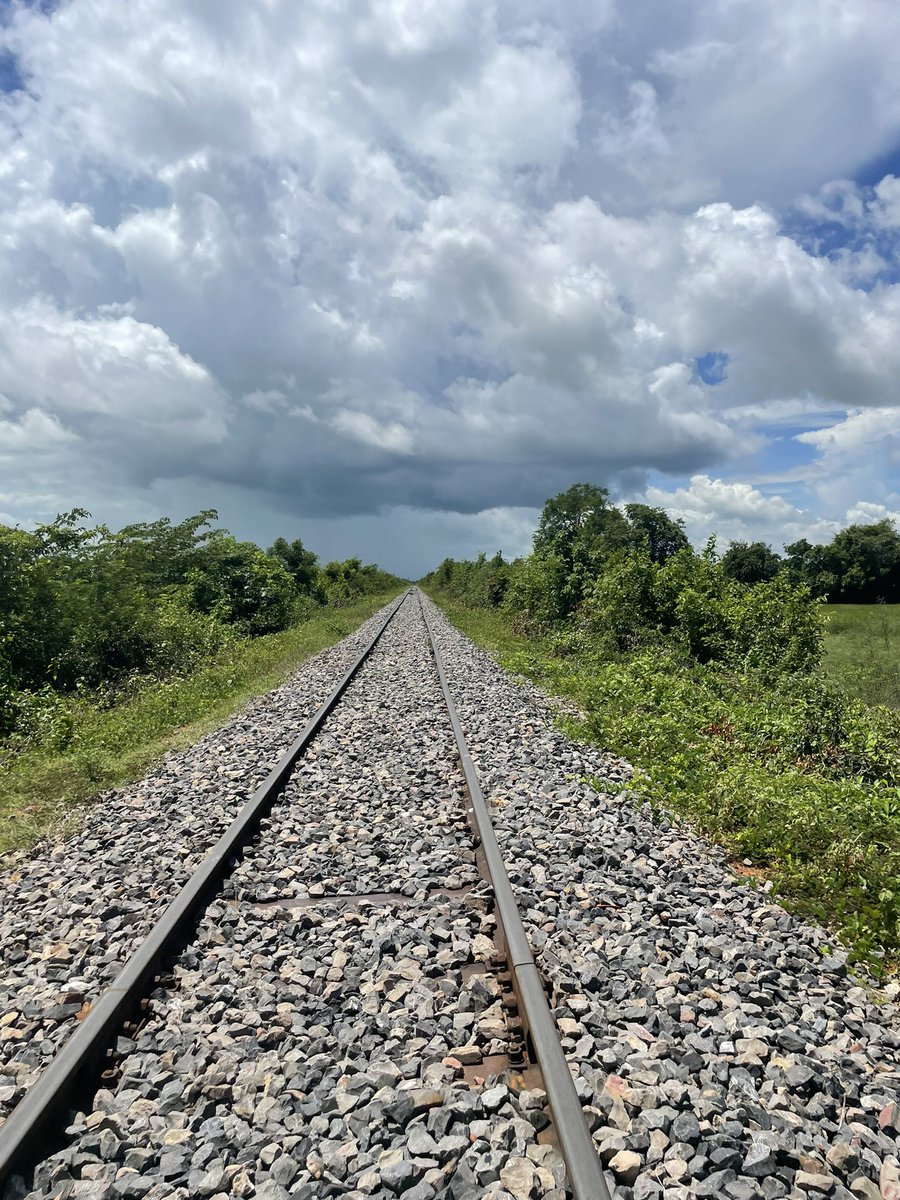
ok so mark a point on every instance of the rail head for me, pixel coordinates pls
(585, 1171)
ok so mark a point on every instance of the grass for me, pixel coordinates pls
(787, 773)
(862, 650)
(41, 790)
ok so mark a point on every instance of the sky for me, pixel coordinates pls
(386, 274)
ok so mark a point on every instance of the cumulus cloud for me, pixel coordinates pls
(354, 263)
(739, 512)
(867, 514)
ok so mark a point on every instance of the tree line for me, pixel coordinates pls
(581, 535)
(629, 578)
(860, 565)
(83, 607)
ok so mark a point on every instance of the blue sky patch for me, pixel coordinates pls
(847, 234)
(873, 172)
(11, 79)
(712, 367)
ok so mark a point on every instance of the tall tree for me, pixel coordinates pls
(751, 562)
(654, 529)
(580, 529)
(300, 563)
(578, 520)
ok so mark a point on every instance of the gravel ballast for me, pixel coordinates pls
(330, 1031)
(70, 913)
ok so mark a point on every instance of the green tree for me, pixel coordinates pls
(161, 553)
(815, 566)
(869, 559)
(578, 517)
(655, 529)
(751, 562)
(300, 563)
(581, 529)
(860, 565)
(242, 586)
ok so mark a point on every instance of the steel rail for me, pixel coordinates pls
(28, 1133)
(585, 1172)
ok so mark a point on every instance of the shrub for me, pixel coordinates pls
(776, 627)
(241, 585)
(535, 594)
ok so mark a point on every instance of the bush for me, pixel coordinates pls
(83, 609)
(535, 592)
(706, 675)
(625, 607)
(240, 585)
(776, 627)
(794, 776)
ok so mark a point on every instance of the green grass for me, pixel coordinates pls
(785, 773)
(41, 790)
(862, 650)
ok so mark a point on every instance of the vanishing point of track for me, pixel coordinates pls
(35, 1125)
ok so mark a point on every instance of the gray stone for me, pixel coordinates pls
(625, 1165)
(685, 1128)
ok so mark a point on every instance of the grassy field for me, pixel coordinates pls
(862, 650)
(41, 790)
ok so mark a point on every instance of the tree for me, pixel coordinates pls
(581, 529)
(300, 563)
(869, 557)
(751, 562)
(579, 516)
(860, 565)
(242, 586)
(655, 530)
(160, 553)
(813, 565)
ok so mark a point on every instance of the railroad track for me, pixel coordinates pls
(530, 1058)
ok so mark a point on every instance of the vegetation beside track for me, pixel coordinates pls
(88, 748)
(718, 693)
(86, 610)
(117, 645)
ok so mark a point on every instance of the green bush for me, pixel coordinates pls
(87, 610)
(241, 585)
(342, 583)
(776, 627)
(625, 606)
(535, 594)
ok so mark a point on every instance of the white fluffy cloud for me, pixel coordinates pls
(739, 512)
(398, 267)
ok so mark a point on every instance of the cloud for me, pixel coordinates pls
(739, 512)
(354, 263)
(719, 99)
(33, 432)
(867, 514)
(857, 431)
